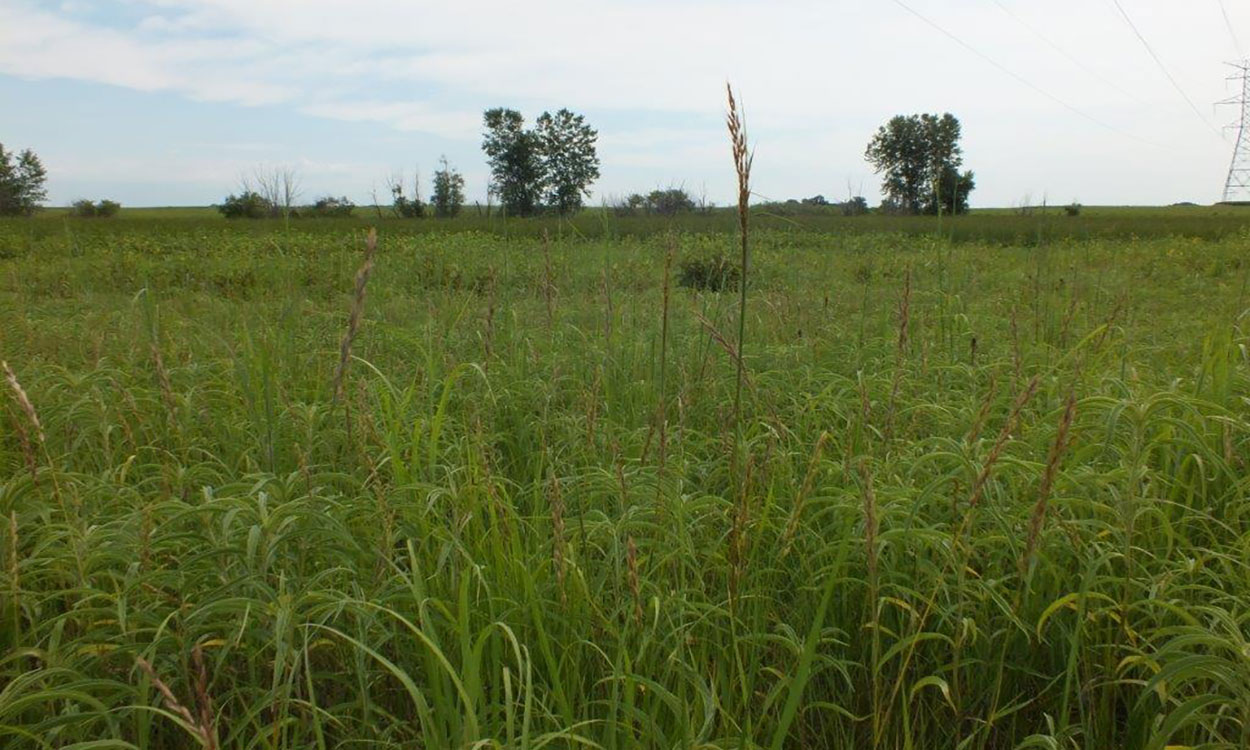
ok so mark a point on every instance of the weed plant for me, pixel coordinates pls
(986, 496)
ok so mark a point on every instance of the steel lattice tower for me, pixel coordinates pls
(1237, 186)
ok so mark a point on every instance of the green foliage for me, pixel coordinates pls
(21, 183)
(103, 209)
(555, 162)
(515, 157)
(669, 202)
(448, 197)
(712, 274)
(919, 156)
(857, 206)
(509, 534)
(247, 205)
(330, 207)
(570, 162)
(403, 206)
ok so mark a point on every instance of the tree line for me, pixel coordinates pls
(551, 167)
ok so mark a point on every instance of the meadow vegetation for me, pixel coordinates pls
(989, 488)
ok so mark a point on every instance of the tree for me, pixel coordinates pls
(919, 156)
(670, 202)
(331, 207)
(21, 183)
(247, 205)
(448, 194)
(279, 186)
(569, 160)
(103, 209)
(953, 191)
(857, 206)
(515, 156)
(405, 207)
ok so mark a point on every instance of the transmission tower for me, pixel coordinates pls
(1237, 186)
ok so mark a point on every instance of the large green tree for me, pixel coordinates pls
(553, 164)
(919, 157)
(570, 161)
(516, 163)
(21, 183)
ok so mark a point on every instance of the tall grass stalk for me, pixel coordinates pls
(357, 312)
(743, 158)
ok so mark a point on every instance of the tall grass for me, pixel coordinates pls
(1048, 551)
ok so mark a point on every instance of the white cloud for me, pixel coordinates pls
(406, 116)
(816, 75)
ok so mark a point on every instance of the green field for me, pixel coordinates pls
(988, 486)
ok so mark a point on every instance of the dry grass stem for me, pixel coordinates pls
(201, 728)
(1004, 435)
(1057, 449)
(357, 311)
(23, 401)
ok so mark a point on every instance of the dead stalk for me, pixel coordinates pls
(635, 589)
(1004, 435)
(1057, 449)
(358, 308)
(549, 285)
(813, 465)
(23, 401)
(742, 157)
(201, 728)
(557, 533)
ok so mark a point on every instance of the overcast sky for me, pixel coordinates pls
(168, 102)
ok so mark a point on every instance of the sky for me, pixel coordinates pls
(172, 102)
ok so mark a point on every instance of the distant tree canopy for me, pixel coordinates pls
(403, 206)
(85, 209)
(331, 207)
(570, 163)
(248, 204)
(669, 202)
(448, 194)
(919, 156)
(21, 183)
(556, 162)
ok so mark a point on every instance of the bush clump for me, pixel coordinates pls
(714, 274)
(103, 209)
(247, 205)
(331, 207)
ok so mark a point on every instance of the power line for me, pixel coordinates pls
(1069, 56)
(1165, 70)
(1019, 77)
(1229, 24)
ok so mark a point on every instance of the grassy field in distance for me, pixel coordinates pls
(1003, 226)
(992, 492)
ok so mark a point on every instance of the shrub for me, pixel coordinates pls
(1072, 209)
(21, 183)
(247, 205)
(631, 205)
(85, 209)
(715, 274)
(857, 206)
(331, 207)
(670, 202)
(448, 194)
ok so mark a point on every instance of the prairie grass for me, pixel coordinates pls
(1042, 545)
